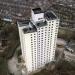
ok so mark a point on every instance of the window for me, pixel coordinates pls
(34, 36)
(39, 18)
(31, 39)
(34, 48)
(51, 35)
(31, 34)
(56, 26)
(45, 27)
(51, 29)
(56, 23)
(31, 42)
(45, 33)
(39, 43)
(41, 28)
(52, 21)
(35, 41)
(41, 40)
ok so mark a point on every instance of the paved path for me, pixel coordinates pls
(12, 65)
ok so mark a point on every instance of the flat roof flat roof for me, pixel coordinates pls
(40, 24)
(31, 28)
(23, 22)
(37, 10)
(50, 15)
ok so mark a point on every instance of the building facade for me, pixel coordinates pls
(38, 38)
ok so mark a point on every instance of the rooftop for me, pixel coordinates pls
(23, 23)
(40, 24)
(50, 15)
(37, 10)
(30, 28)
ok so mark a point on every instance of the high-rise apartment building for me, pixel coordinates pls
(38, 38)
